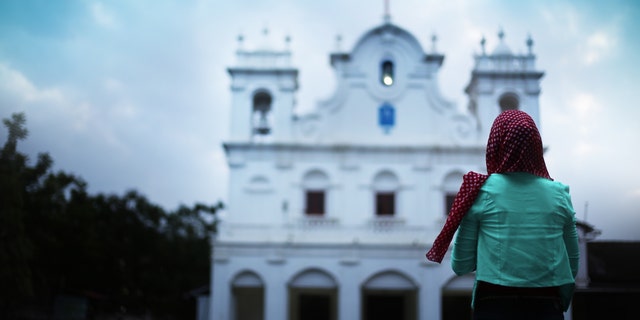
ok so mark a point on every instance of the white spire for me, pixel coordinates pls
(501, 49)
(387, 15)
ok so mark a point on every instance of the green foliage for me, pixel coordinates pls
(120, 252)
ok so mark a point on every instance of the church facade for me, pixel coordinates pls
(330, 212)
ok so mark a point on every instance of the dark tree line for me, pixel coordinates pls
(119, 253)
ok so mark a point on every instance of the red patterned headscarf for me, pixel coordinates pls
(514, 146)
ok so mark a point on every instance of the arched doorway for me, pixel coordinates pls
(313, 295)
(248, 296)
(389, 295)
(456, 297)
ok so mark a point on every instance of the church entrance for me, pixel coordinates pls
(456, 297)
(382, 305)
(247, 297)
(313, 295)
(389, 295)
(313, 304)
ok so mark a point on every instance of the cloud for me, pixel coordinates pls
(102, 16)
(598, 46)
(585, 105)
(57, 115)
(15, 85)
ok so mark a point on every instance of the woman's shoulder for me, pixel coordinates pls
(522, 179)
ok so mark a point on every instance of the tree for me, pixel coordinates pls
(15, 247)
(120, 252)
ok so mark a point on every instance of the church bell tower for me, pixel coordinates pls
(501, 81)
(263, 85)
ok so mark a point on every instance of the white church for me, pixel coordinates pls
(330, 212)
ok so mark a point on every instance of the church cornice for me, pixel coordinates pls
(480, 147)
(249, 70)
(507, 74)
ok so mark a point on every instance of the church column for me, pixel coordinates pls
(276, 296)
(349, 295)
(430, 294)
(220, 304)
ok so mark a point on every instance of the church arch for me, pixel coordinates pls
(456, 297)
(247, 278)
(261, 113)
(259, 184)
(389, 280)
(247, 291)
(313, 293)
(389, 294)
(313, 278)
(315, 179)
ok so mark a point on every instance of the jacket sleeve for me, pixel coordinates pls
(465, 247)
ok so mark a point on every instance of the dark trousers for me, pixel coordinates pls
(492, 304)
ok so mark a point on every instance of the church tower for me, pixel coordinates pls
(263, 85)
(503, 80)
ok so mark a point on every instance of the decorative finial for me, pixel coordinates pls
(483, 41)
(530, 44)
(287, 41)
(240, 40)
(387, 15)
(501, 34)
(434, 39)
(338, 42)
(265, 31)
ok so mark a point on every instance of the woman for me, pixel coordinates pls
(516, 229)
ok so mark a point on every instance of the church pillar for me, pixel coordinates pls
(349, 297)
(276, 297)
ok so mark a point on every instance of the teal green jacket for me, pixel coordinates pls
(520, 232)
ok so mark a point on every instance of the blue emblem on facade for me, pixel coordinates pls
(386, 117)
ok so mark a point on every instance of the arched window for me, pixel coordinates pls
(316, 185)
(509, 101)
(385, 186)
(387, 73)
(261, 110)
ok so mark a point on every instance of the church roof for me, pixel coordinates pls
(389, 30)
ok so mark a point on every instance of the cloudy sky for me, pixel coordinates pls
(135, 94)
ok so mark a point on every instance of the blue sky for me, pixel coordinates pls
(135, 94)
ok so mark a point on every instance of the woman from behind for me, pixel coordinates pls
(516, 229)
